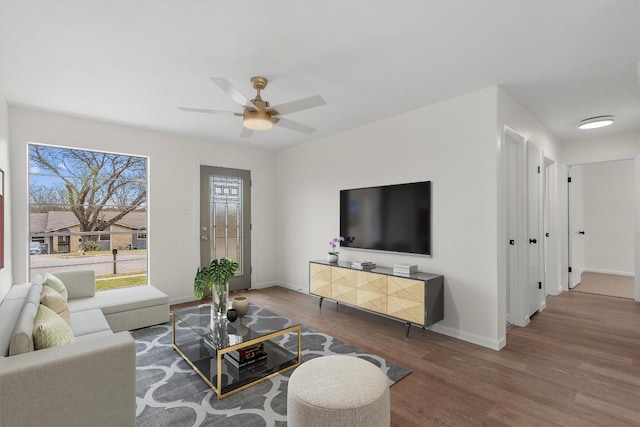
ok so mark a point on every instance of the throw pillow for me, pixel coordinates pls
(50, 330)
(55, 302)
(56, 284)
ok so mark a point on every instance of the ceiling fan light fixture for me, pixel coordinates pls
(595, 122)
(257, 120)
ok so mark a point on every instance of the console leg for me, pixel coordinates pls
(408, 328)
(321, 298)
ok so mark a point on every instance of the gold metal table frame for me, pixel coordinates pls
(218, 387)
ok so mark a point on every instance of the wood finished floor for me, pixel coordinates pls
(576, 364)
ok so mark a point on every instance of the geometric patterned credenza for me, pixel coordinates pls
(415, 299)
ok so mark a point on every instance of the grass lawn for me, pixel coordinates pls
(115, 281)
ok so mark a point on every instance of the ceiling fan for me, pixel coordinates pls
(258, 114)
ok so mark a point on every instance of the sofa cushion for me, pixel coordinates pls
(9, 312)
(17, 291)
(55, 302)
(92, 335)
(119, 300)
(10, 308)
(50, 330)
(88, 322)
(79, 283)
(22, 335)
(56, 284)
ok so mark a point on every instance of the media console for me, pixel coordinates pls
(415, 299)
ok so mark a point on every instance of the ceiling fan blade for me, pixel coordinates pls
(299, 105)
(246, 132)
(299, 127)
(204, 110)
(233, 93)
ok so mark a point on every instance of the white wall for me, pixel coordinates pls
(452, 144)
(173, 191)
(609, 190)
(6, 272)
(623, 145)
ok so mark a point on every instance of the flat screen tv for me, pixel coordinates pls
(394, 218)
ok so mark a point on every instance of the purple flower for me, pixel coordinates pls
(335, 242)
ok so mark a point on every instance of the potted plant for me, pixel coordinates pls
(215, 279)
(333, 254)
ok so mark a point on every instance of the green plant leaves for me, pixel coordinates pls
(217, 273)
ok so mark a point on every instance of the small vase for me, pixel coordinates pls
(220, 301)
(232, 315)
(332, 258)
(241, 304)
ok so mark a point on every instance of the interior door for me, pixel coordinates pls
(225, 220)
(534, 256)
(576, 225)
(517, 263)
(548, 239)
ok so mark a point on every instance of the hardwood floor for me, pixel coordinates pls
(576, 364)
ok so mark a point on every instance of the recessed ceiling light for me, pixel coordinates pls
(595, 122)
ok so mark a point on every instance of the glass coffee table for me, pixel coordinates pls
(203, 344)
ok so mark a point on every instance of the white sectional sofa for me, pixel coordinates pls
(125, 309)
(90, 381)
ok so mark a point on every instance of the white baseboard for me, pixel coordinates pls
(602, 271)
(557, 291)
(466, 336)
(190, 298)
(294, 287)
(263, 285)
(291, 286)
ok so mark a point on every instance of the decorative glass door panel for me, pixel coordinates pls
(225, 230)
(225, 218)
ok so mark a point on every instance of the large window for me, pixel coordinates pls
(87, 211)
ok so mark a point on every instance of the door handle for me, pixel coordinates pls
(204, 237)
(534, 241)
(581, 232)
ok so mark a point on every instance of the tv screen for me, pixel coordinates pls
(395, 218)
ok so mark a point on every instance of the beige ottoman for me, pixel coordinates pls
(334, 391)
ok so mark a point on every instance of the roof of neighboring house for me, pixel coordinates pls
(38, 222)
(57, 220)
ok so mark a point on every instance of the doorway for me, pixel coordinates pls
(601, 224)
(225, 220)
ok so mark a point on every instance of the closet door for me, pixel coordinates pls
(534, 227)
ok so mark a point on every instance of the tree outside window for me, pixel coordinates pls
(88, 204)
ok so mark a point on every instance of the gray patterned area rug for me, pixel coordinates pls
(170, 393)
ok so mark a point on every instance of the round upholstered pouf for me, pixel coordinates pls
(338, 391)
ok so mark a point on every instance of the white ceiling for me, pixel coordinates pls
(136, 61)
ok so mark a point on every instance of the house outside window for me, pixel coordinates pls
(83, 205)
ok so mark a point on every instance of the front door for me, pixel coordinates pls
(225, 220)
